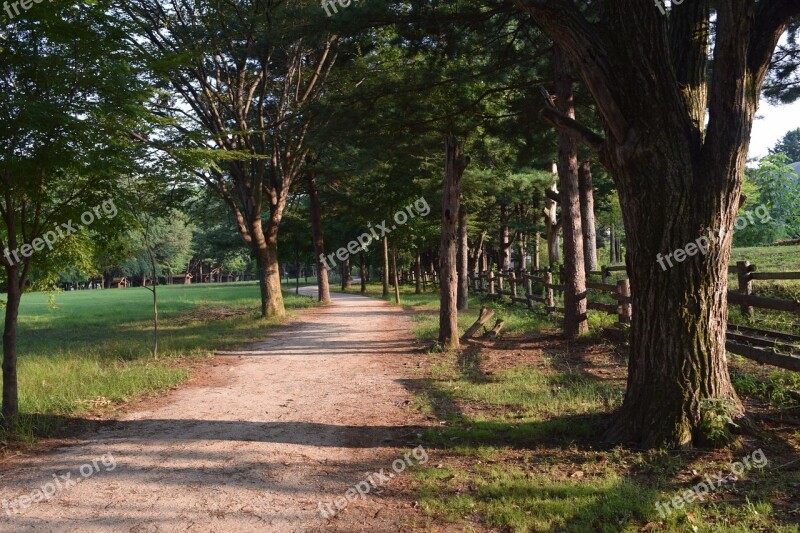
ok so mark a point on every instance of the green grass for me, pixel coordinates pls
(89, 349)
(517, 448)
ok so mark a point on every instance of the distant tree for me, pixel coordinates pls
(789, 145)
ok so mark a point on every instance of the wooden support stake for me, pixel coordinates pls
(484, 315)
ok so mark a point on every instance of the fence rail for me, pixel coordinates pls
(763, 346)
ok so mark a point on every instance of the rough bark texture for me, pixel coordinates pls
(462, 260)
(679, 177)
(448, 312)
(575, 319)
(587, 217)
(323, 287)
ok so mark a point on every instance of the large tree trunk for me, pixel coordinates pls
(575, 320)
(679, 168)
(462, 260)
(587, 217)
(274, 297)
(448, 277)
(10, 394)
(323, 287)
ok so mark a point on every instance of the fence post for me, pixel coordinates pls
(549, 299)
(500, 284)
(625, 308)
(491, 283)
(604, 273)
(743, 269)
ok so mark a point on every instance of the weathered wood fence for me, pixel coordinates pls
(770, 347)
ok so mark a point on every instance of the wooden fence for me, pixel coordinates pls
(764, 346)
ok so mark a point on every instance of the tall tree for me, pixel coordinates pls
(575, 319)
(242, 80)
(678, 166)
(455, 164)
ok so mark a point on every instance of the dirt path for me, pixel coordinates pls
(299, 418)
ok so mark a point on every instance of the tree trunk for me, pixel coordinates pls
(462, 259)
(10, 395)
(552, 224)
(274, 303)
(297, 279)
(536, 251)
(385, 267)
(679, 168)
(587, 217)
(575, 319)
(448, 277)
(505, 239)
(523, 251)
(323, 287)
(363, 273)
(396, 282)
(347, 281)
(418, 274)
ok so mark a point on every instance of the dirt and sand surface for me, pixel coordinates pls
(254, 444)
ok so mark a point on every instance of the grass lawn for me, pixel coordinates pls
(85, 350)
(517, 438)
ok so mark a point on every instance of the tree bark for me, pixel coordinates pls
(505, 238)
(10, 395)
(552, 224)
(575, 319)
(448, 277)
(385, 267)
(323, 287)
(536, 251)
(462, 260)
(679, 168)
(587, 217)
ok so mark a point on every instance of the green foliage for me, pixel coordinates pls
(716, 420)
(777, 189)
